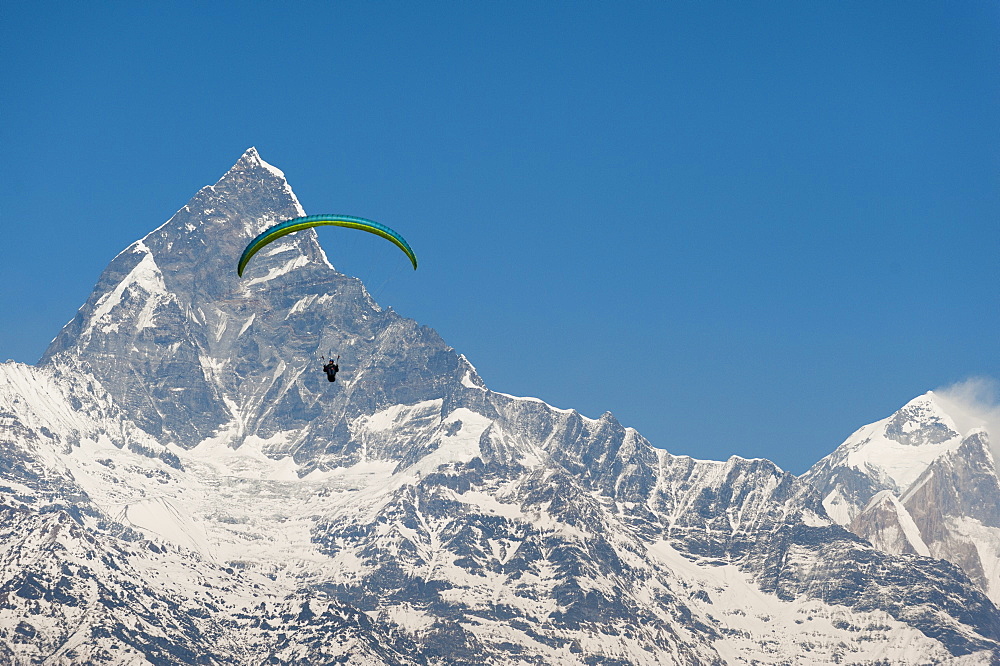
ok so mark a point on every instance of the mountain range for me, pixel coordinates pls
(179, 484)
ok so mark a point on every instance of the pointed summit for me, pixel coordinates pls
(194, 351)
(250, 161)
(250, 156)
(161, 308)
(897, 449)
(889, 454)
(197, 249)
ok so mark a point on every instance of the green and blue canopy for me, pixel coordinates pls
(300, 223)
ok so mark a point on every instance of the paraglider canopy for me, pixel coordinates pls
(300, 223)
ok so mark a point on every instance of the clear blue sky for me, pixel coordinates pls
(743, 228)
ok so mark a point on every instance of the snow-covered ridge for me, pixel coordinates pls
(252, 157)
(483, 528)
(61, 401)
(146, 281)
(898, 448)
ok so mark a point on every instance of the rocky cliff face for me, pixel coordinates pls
(180, 428)
(956, 504)
(886, 524)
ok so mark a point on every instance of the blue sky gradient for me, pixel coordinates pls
(743, 228)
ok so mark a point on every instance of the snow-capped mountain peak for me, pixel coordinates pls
(923, 481)
(220, 488)
(897, 449)
(250, 162)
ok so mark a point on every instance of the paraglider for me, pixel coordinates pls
(331, 369)
(300, 223)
